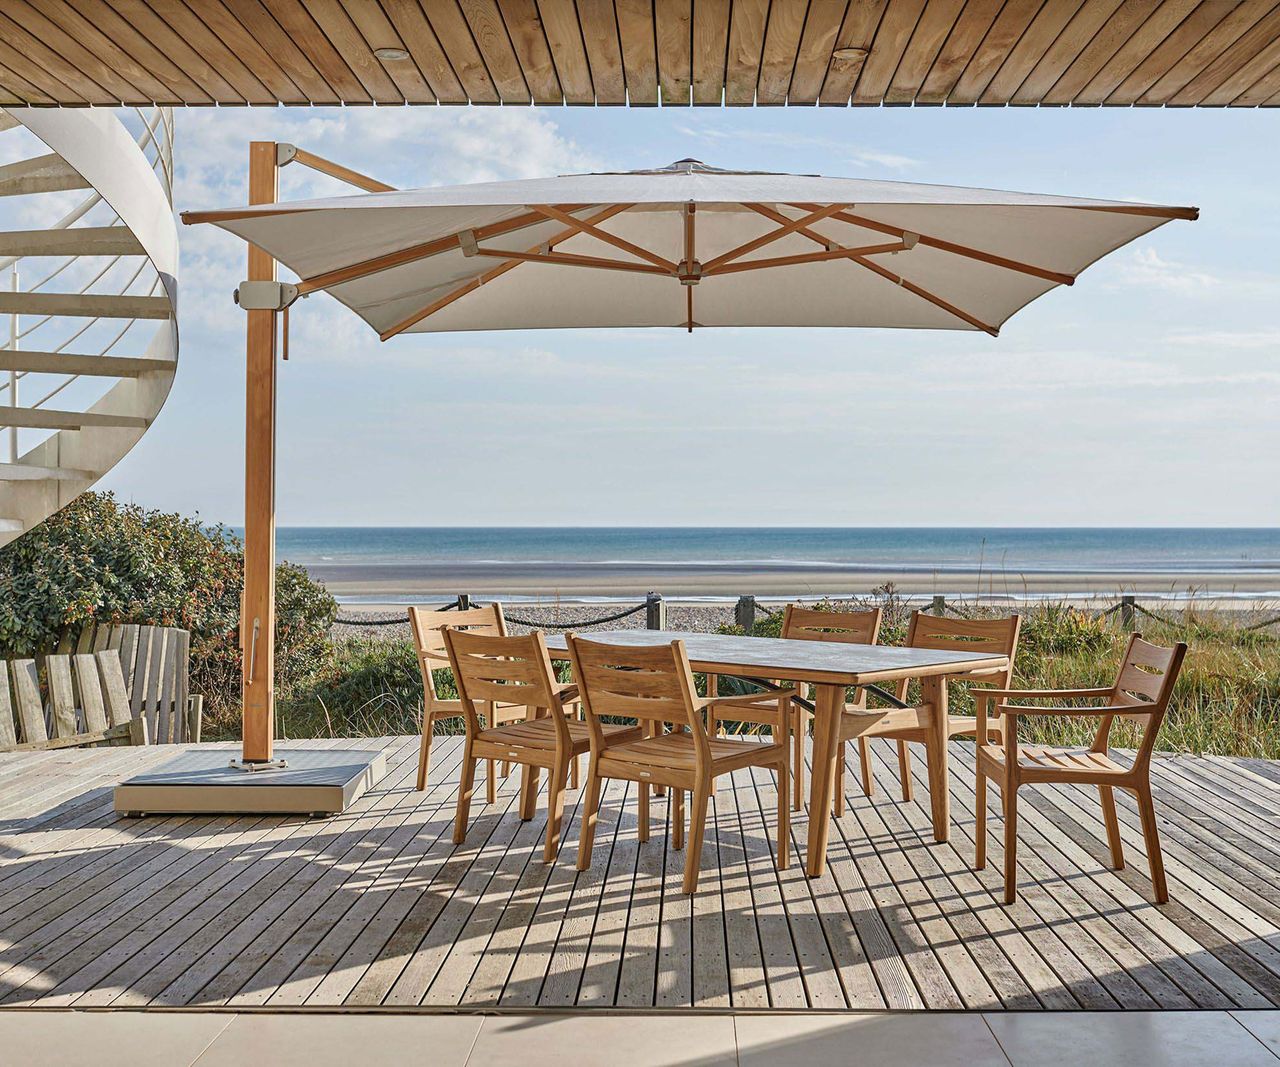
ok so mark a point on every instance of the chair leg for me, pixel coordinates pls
(574, 775)
(837, 801)
(490, 783)
(677, 819)
(465, 788)
(980, 821)
(642, 812)
(797, 742)
(555, 807)
(864, 764)
(784, 813)
(1009, 793)
(904, 770)
(528, 791)
(697, 829)
(1108, 795)
(424, 752)
(1151, 835)
(591, 814)
(506, 768)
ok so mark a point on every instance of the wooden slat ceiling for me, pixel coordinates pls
(1148, 53)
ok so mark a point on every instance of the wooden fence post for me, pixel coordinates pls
(939, 605)
(655, 612)
(744, 615)
(464, 601)
(1127, 614)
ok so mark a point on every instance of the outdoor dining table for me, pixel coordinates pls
(830, 668)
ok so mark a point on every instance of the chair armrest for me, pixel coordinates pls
(1042, 694)
(1013, 710)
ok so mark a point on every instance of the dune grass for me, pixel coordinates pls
(1227, 700)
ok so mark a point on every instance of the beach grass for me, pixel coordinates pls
(1227, 701)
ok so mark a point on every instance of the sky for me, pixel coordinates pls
(1144, 395)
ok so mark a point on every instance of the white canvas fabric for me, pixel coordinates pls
(929, 285)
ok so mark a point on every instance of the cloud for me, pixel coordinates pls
(854, 154)
(1239, 339)
(1147, 269)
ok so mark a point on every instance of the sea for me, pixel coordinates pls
(1219, 556)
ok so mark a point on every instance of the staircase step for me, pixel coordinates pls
(71, 241)
(67, 363)
(41, 174)
(85, 304)
(48, 419)
(27, 472)
(11, 526)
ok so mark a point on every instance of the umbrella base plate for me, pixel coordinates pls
(311, 782)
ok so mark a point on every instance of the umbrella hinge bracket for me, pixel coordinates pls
(689, 273)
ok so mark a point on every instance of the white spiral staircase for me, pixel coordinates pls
(82, 277)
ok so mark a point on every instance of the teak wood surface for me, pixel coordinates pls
(830, 668)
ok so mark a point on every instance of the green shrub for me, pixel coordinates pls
(98, 560)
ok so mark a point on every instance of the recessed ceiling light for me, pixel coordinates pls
(387, 54)
(850, 53)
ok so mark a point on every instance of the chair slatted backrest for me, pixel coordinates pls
(648, 683)
(1146, 679)
(817, 624)
(427, 625)
(87, 703)
(495, 668)
(996, 636)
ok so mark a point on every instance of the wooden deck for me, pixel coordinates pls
(377, 907)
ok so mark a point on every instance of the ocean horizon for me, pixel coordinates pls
(368, 562)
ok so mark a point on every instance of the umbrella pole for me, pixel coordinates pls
(258, 607)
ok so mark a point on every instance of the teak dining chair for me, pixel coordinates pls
(427, 624)
(1141, 692)
(798, 624)
(995, 636)
(516, 671)
(654, 685)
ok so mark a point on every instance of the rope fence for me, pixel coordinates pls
(748, 608)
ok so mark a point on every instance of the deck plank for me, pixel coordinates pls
(379, 907)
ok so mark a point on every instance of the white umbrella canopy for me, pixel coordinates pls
(689, 245)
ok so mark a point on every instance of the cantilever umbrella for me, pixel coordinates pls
(689, 245)
(685, 245)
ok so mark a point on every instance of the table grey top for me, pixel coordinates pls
(798, 661)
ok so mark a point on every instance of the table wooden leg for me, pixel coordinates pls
(826, 745)
(934, 694)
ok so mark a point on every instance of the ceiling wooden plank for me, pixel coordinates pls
(1214, 44)
(377, 31)
(300, 28)
(420, 40)
(1074, 40)
(1133, 51)
(710, 51)
(524, 27)
(1170, 51)
(966, 35)
(1012, 22)
(82, 43)
(813, 58)
(50, 65)
(455, 38)
(778, 57)
(1258, 40)
(564, 35)
(673, 25)
(604, 50)
(747, 22)
(17, 90)
(192, 29)
(265, 64)
(1129, 17)
(1239, 81)
(1051, 20)
(174, 45)
(258, 24)
(639, 51)
(490, 34)
(931, 33)
(857, 32)
(334, 20)
(896, 27)
(141, 52)
(1261, 91)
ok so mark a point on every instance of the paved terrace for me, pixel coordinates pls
(378, 908)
